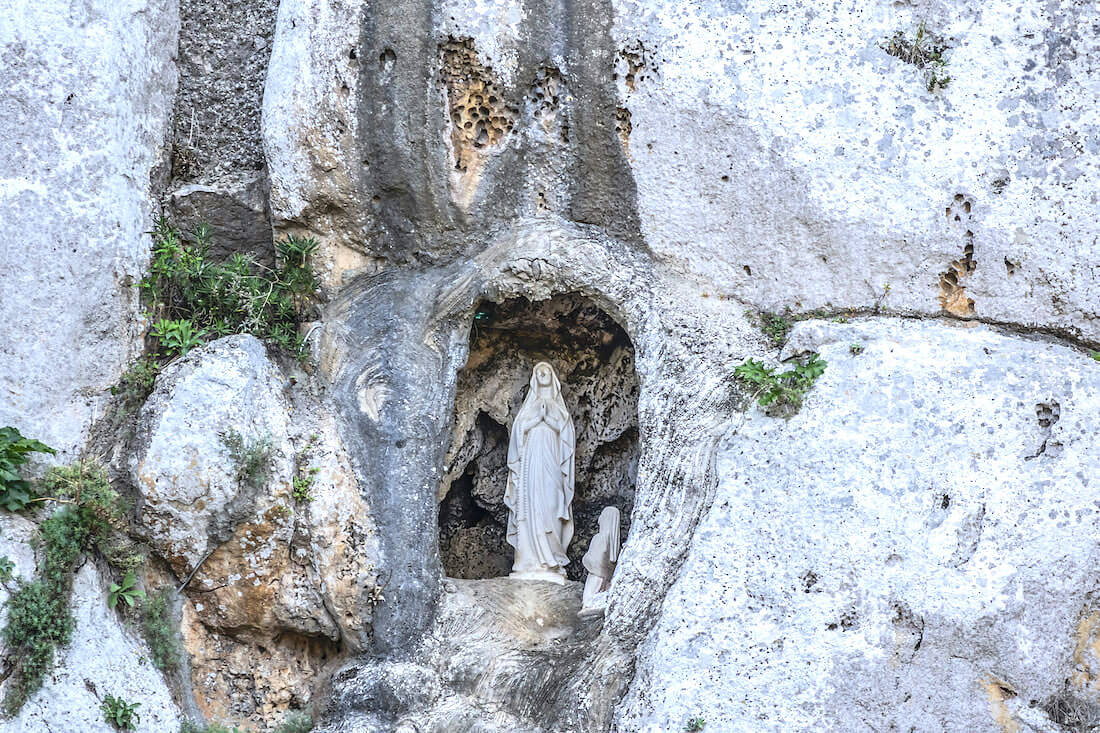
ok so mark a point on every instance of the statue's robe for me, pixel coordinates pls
(539, 495)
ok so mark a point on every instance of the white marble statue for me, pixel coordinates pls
(539, 496)
(600, 560)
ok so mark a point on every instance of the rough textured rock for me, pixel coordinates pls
(85, 103)
(395, 377)
(223, 53)
(104, 658)
(717, 134)
(810, 188)
(270, 576)
(497, 649)
(218, 173)
(191, 495)
(915, 550)
(237, 216)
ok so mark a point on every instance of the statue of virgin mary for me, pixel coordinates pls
(539, 495)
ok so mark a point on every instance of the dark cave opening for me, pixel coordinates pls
(594, 358)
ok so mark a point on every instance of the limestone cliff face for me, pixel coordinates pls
(915, 549)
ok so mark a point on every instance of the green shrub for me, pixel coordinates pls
(252, 456)
(160, 630)
(196, 299)
(781, 394)
(296, 722)
(1096, 355)
(7, 568)
(39, 619)
(121, 714)
(15, 449)
(102, 511)
(695, 724)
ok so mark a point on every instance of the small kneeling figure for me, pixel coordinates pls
(600, 560)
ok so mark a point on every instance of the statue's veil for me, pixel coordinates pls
(532, 392)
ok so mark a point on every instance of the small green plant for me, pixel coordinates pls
(304, 478)
(137, 382)
(121, 714)
(303, 486)
(177, 337)
(776, 326)
(855, 349)
(7, 569)
(923, 49)
(15, 449)
(160, 630)
(127, 590)
(198, 299)
(1096, 355)
(39, 620)
(695, 724)
(781, 394)
(296, 722)
(253, 457)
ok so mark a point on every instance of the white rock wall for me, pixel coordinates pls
(919, 536)
(783, 157)
(85, 93)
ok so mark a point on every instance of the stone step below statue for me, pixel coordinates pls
(495, 659)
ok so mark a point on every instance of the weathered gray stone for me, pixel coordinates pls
(224, 48)
(236, 215)
(86, 94)
(725, 142)
(916, 549)
(192, 497)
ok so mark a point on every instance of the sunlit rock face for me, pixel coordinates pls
(677, 165)
(917, 548)
(85, 104)
(278, 587)
(913, 549)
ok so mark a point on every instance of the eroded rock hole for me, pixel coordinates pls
(594, 358)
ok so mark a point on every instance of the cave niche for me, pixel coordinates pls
(595, 359)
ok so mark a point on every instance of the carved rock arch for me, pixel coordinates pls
(393, 350)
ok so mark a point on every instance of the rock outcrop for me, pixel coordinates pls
(917, 548)
(279, 585)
